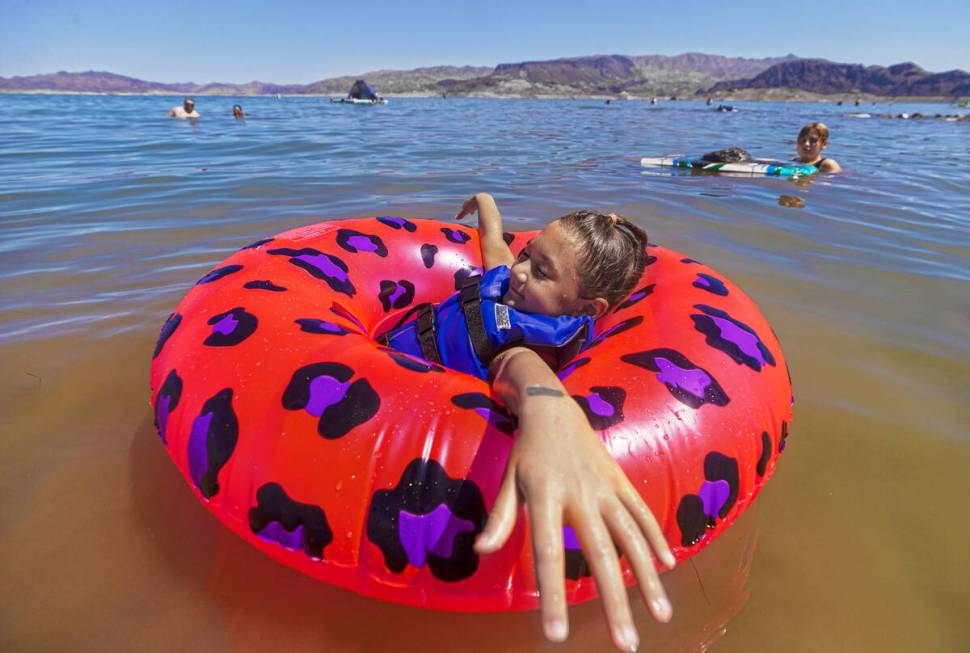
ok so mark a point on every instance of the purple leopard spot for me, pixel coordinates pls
(569, 540)
(398, 292)
(198, 448)
(362, 243)
(325, 391)
(226, 325)
(323, 263)
(747, 342)
(693, 381)
(275, 532)
(455, 235)
(161, 410)
(572, 367)
(702, 281)
(434, 533)
(714, 494)
(599, 407)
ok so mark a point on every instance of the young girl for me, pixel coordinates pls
(812, 139)
(525, 314)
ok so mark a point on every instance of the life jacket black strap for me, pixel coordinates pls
(471, 306)
(425, 326)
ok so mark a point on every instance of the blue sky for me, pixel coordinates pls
(291, 41)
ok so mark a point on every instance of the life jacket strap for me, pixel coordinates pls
(471, 306)
(425, 327)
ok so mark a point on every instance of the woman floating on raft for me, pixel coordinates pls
(384, 471)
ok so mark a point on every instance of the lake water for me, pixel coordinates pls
(109, 212)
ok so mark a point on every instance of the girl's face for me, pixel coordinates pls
(809, 146)
(544, 279)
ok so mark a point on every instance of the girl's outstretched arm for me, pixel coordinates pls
(495, 251)
(562, 471)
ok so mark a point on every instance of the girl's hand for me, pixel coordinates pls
(561, 470)
(470, 206)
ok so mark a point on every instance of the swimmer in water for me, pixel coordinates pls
(812, 139)
(237, 112)
(187, 110)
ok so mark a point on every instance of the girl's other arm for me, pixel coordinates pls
(494, 250)
(562, 471)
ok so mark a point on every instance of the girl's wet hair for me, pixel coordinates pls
(610, 256)
(817, 127)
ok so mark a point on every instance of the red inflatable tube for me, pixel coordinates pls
(374, 470)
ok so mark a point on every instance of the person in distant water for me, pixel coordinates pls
(812, 139)
(237, 112)
(187, 110)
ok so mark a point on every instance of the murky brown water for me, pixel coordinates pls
(858, 543)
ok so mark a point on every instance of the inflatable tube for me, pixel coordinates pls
(753, 168)
(373, 470)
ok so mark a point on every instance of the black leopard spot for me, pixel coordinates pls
(396, 294)
(507, 237)
(428, 519)
(414, 364)
(765, 453)
(355, 241)
(688, 383)
(615, 330)
(572, 367)
(711, 284)
(171, 324)
(733, 337)
(313, 325)
(635, 297)
(690, 260)
(691, 519)
(455, 235)
(398, 223)
(262, 284)
(165, 402)
(293, 525)
(231, 328)
(783, 440)
(604, 407)
(324, 390)
(258, 243)
(212, 442)
(219, 273)
(491, 411)
(428, 252)
(319, 265)
(462, 275)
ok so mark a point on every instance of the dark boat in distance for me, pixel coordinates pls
(360, 93)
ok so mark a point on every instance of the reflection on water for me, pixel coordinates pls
(110, 212)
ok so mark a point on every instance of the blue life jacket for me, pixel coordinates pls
(465, 331)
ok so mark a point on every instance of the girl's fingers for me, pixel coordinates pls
(502, 519)
(605, 565)
(648, 524)
(628, 535)
(547, 549)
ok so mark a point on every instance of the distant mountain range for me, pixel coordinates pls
(825, 77)
(683, 75)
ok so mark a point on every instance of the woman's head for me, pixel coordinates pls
(812, 139)
(581, 264)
